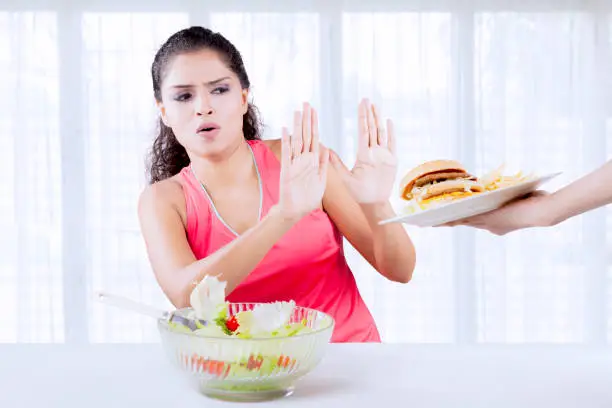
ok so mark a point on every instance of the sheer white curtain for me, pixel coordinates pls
(525, 85)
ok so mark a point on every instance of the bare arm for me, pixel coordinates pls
(387, 248)
(302, 183)
(174, 264)
(543, 210)
(587, 193)
(359, 198)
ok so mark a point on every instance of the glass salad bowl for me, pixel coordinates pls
(239, 367)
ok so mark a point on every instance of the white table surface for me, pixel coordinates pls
(355, 375)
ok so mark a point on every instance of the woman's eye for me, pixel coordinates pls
(220, 90)
(183, 97)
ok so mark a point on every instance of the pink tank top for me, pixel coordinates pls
(307, 264)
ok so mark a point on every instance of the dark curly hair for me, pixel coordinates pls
(167, 156)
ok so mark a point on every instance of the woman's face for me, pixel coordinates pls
(204, 103)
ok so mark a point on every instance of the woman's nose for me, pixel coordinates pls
(202, 106)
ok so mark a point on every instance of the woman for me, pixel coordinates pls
(545, 210)
(267, 217)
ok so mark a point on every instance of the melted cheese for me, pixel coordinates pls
(447, 196)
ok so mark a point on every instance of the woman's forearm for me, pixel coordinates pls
(393, 250)
(587, 193)
(233, 262)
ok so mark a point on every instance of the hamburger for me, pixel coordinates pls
(437, 182)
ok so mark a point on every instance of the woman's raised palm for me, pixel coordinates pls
(303, 173)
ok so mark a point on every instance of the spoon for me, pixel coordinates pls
(146, 310)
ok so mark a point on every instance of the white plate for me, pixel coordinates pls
(470, 206)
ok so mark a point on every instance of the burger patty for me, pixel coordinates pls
(442, 176)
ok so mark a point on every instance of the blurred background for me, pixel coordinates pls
(526, 83)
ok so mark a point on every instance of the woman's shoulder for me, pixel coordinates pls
(166, 189)
(162, 196)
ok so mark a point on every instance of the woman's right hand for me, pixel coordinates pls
(303, 174)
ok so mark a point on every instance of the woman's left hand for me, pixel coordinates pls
(373, 175)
